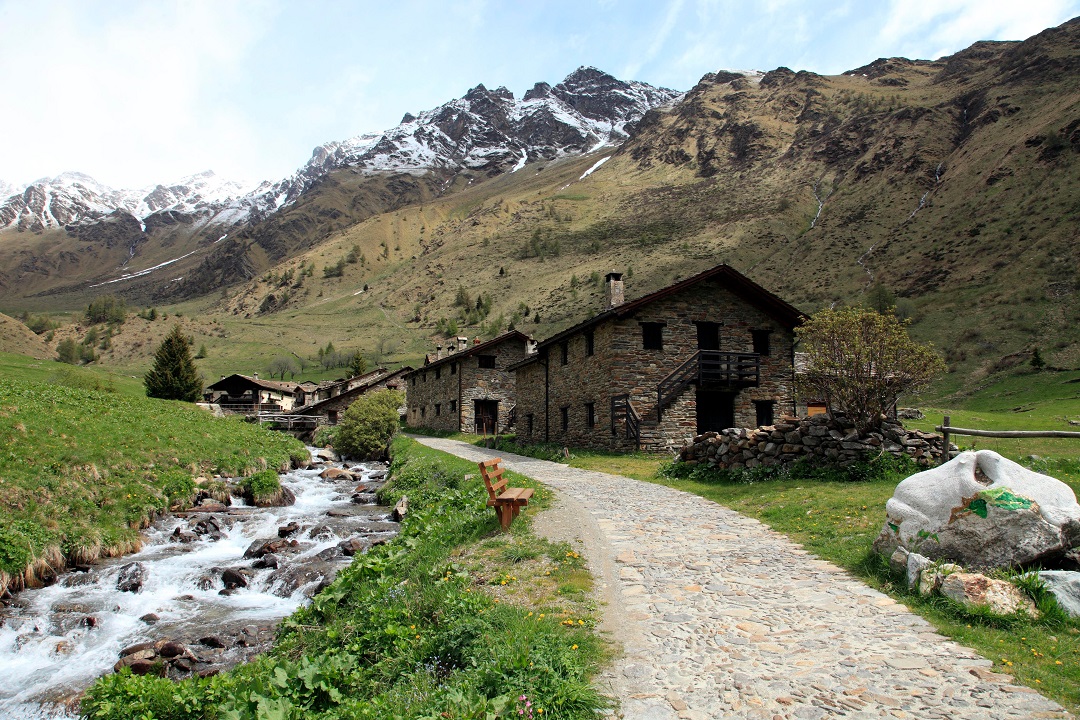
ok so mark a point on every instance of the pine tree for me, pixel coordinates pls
(174, 376)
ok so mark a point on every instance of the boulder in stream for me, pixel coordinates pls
(132, 577)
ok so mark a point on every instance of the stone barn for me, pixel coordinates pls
(339, 397)
(468, 389)
(715, 350)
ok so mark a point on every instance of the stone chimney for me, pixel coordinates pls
(615, 295)
(255, 375)
(462, 343)
(438, 352)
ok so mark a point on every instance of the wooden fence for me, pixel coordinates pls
(946, 429)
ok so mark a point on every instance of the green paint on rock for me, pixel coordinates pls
(1006, 499)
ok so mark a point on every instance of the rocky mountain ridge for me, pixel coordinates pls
(489, 131)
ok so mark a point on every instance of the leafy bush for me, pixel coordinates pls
(325, 436)
(368, 424)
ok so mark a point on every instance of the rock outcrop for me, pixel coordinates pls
(983, 511)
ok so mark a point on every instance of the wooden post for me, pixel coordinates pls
(945, 455)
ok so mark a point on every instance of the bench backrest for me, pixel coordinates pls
(493, 479)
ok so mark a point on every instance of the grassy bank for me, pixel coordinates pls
(452, 619)
(83, 469)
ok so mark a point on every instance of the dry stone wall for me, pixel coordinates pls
(819, 440)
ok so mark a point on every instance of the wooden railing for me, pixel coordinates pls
(623, 409)
(705, 367)
(946, 429)
(292, 421)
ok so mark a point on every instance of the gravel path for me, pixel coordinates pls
(719, 616)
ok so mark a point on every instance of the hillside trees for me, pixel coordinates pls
(174, 376)
(106, 309)
(860, 361)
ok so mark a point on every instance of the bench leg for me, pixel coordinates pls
(505, 516)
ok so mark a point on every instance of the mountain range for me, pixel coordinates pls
(949, 188)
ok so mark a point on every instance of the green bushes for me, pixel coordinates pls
(262, 486)
(368, 424)
(404, 632)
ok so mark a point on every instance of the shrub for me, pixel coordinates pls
(368, 424)
(262, 485)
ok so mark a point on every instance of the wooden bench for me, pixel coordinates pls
(507, 501)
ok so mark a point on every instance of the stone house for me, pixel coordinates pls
(250, 394)
(342, 395)
(470, 388)
(712, 351)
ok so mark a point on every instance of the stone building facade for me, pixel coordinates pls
(709, 352)
(336, 403)
(470, 389)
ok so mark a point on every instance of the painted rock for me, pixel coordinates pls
(982, 511)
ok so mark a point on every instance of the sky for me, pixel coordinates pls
(139, 92)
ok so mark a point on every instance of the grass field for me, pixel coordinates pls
(86, 461)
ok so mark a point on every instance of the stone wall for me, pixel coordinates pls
(820, 440)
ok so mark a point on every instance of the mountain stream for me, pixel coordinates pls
(206, 591)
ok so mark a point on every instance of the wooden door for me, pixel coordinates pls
(486, 413)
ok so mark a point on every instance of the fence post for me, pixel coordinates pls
(945, 455)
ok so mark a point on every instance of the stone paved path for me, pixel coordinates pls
(719, 616)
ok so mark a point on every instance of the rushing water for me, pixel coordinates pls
(55, 641)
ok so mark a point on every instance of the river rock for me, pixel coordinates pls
(1065, 587)
(320, 532)
(354, 545)
(150, 618)
(982, 511)
(1000, 596)
(364, 498)
(132, 577)
(335, 474)
(286, 530)
(269, 560)
(325, 455)
(212, 641)
(261, 547)
(235, 578)
(171, 649)
(143, 647)
(401, 509)
(312, 575)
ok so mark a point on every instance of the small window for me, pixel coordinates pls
(438, 409)
(486, 361)
(529, 424)
(565, 417)
(652, 336)
(590, 415)
(438, 373)
(423, 377)
(590, 347)
(331, 416)
(423, 410)
(414, 381)
(453, 368)
(764, 411)
(453, 406)
(761, 341)
(816, 408)
(565, 350)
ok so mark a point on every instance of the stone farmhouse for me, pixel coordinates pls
(712, 351)
(250, 394)
(468, 389)
(331, 401)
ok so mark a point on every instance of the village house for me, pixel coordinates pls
(250, 394)
(469, 388)
(331, 401)
(712, 351)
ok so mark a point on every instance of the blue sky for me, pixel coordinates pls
(136, 92)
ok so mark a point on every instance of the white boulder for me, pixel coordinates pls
(982, 511)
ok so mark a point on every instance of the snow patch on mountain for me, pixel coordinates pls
(486, 132)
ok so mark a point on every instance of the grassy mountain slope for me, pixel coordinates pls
(950, 186)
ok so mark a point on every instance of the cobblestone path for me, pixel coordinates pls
(719, 616)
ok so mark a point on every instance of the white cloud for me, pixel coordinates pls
(951, 25)
(671, 16)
